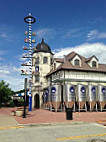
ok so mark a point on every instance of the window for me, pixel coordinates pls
(37, 60)
(54, 65)
(45, 60)
(76, 62)
(51, 61)
(36, 78)
(93, 63)
(36, 68)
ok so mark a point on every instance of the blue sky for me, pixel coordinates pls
(66, 25)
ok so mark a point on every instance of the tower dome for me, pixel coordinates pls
(43, 47)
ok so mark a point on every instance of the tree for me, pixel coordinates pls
(5, 92)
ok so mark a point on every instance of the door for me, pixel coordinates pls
(37, 103)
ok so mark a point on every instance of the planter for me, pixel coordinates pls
(19, 112)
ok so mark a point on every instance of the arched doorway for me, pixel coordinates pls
(37, 101)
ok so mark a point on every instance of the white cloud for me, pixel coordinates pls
(94, 34)
(19, 57)
(12, 75)
(9, 68)
(2, 52)
(45, 33)
(16, 83)
(4, 72)
(73, 33)
(86, 50)
(3, 35)
(102, 35)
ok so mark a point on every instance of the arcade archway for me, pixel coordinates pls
(37, 101)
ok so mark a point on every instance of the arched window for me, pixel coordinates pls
(36, 78)
(51, 61)
(45, 60)
(93, 63)
(76, 62)
(37, 60)
(37, 68)
(54, 65)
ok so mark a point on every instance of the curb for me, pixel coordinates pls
(54, 124)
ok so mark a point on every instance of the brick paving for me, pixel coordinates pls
(45, 116)
(38, 116)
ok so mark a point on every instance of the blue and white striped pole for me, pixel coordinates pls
(30, 20)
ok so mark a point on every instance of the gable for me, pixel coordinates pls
(74, 59)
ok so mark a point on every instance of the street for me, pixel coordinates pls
(82, 132)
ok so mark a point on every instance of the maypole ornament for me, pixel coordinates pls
(28, 40)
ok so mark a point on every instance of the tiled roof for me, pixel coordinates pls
(88, 59)
(61, 60)
(84, 65)
(71, 55)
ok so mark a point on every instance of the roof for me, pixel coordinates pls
(61, 60)
(71, 55)
(84, 65)
(88, 59)
(42, 47)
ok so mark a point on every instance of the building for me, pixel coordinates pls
(41, 66)
(58, 75)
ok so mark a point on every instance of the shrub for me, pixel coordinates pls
(21, 102)
(10, 104)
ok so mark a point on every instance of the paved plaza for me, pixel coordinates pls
(40, 116)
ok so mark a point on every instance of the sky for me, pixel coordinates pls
(65, 25)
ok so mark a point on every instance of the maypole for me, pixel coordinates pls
(29, 40)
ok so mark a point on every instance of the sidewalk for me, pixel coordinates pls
(39, 116)
(6, 120)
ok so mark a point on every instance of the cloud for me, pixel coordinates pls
(86, 50)
(45, 33)
(19, 57)
(4, 72)
(2, 52)
(12, 75)
(94, 34)
(15, 82)
(73, 33)
(5, 36)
